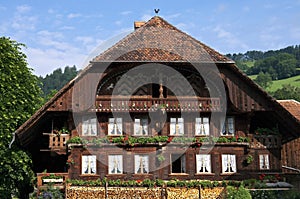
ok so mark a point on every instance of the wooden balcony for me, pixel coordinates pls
(57, 180)
(265, 141)
(142, 104)
(57, 143)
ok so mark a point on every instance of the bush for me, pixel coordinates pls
(234, 193)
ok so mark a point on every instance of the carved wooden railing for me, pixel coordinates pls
(57, 142)
(142, 104)
(265, 141)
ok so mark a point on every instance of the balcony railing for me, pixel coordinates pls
(57, 142)
(153, 104)
(57, 180)
(265, 141)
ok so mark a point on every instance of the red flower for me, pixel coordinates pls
(277, 176)
(138, 181)
(170, 139)
(236, 137)
(126, 138)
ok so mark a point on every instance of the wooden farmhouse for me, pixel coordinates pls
(158, 104)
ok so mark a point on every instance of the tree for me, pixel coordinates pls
(287, 92)
(57, 79)
(264, 80)
(19, 99)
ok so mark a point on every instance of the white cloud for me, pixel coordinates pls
(85, 40)
(73, 15)
(23, 8)
(118, 23)
(229, 39)
(125, 12)
(67, 28)
(44, 61)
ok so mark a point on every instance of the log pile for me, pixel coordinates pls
(84, 192)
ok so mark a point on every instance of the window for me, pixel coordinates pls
(228, 126)
(141, 164)
(203, 163)
(178, 163)
(89, 126)
(202, 126)
(176, 126)
(264, 161)
(140, 126)
(115, 164)
(115, 126)
(88, 164)
(228, 163)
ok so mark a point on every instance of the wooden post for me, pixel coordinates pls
(199, 189)
(106, 193)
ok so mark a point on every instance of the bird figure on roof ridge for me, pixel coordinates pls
(156, 11)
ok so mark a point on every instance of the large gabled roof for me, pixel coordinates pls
(157, 40)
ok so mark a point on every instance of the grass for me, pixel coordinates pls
(294, 81)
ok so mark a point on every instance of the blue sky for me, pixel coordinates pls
(64, 32)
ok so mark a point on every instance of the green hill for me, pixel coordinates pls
(294, 81)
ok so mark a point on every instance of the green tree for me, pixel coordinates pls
(287, 92)
(264, 80)
(19, 99)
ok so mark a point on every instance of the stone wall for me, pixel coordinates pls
(74, 192)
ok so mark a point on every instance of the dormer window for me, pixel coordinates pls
(115, 126)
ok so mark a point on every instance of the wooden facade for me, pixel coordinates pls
(88, 108)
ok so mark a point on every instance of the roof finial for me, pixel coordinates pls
(156, 11)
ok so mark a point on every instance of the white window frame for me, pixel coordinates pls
(141, 164)
(88, 165)
(140, 126)
(264, 163)
(228, 127)
(182, 158)
(203, 163)
(202, 126)
(176, 126)
(115, 126)
(115, 164)
(229, 163)
(89, 126)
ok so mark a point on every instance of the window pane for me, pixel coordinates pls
(178, 163)
(88, 164)
(137, 127)
(203, 163)
(228, 163)
(141, 163)
(89, 126)
(115, 164)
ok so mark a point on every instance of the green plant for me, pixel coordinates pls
(160, 158)
(249, 159)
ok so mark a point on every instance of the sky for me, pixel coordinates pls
(61, 33)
